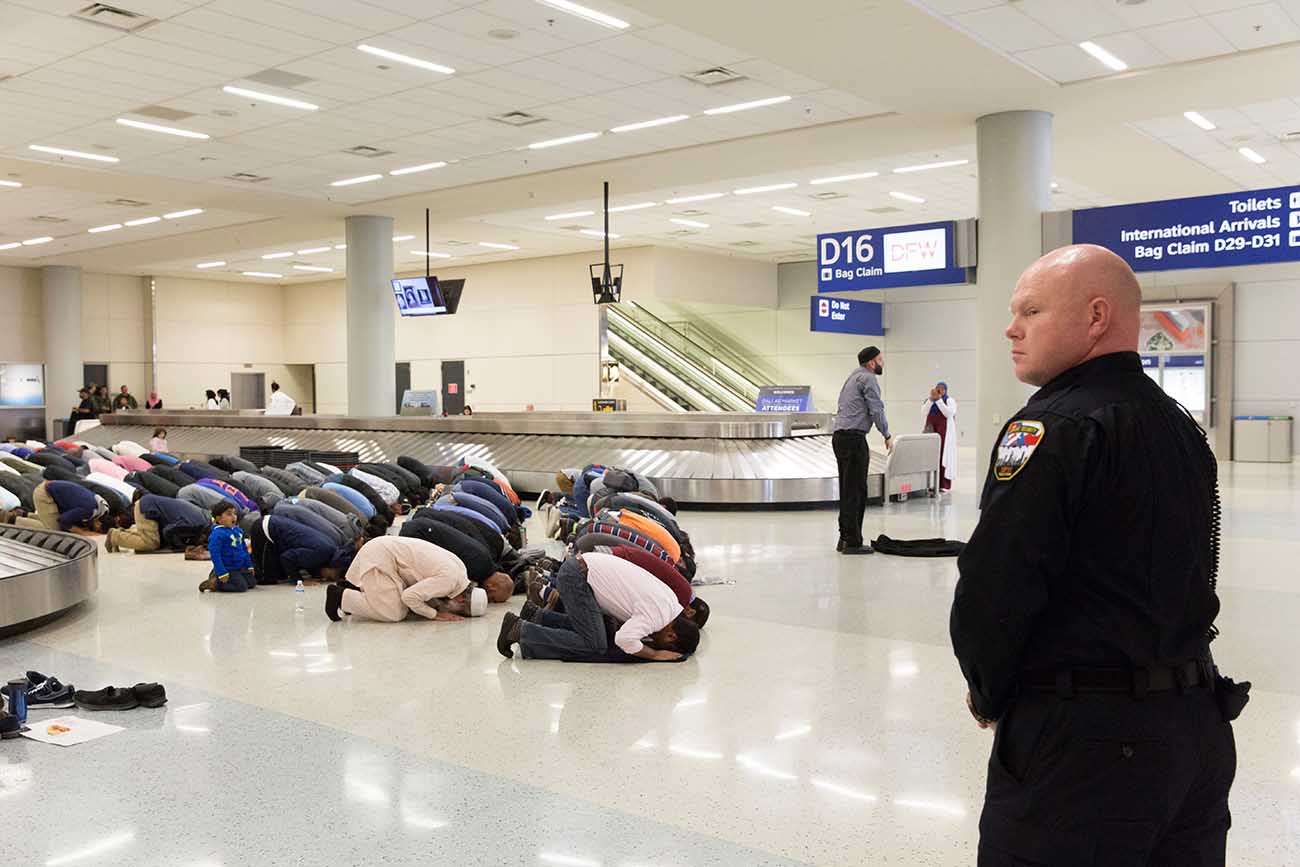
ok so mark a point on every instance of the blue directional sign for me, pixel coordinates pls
(846, 316)
(1251, 228)
(916, 255)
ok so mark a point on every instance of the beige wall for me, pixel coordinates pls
(20, 309)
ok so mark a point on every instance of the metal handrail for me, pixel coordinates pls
(719, 390)
(733, 362)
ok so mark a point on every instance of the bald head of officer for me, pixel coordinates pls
(1072, 305)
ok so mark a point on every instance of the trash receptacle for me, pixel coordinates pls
(1262, 438)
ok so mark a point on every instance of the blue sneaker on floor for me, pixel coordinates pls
(34, 679)
(10, 727)
(51, 693)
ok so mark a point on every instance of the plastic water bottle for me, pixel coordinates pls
(903, 491)
(299, 596)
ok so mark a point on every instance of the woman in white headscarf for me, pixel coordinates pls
(941, 418)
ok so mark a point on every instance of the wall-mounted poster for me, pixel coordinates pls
(22, 385)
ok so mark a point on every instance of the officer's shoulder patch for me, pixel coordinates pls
(1017, 447)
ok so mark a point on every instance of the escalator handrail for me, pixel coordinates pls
(711, 382)
(709, 353)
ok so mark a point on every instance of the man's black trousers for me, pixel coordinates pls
(1109, 781)
(852, 457)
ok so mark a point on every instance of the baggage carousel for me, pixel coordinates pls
(42, 574)
(707, 460)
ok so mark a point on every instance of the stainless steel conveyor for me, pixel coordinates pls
(43, 573)
(726, 460)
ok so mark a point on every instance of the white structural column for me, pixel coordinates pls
(1015, 185)
(372, 368)
(61, 317)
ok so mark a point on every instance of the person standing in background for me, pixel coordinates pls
(212, 400)
(859, 408)
(99, 396)
(131, 402)
(941, 418)
(223, 399)
(281, 403)
(158, 443)
(154, 401)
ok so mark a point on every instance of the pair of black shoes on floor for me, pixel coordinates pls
(121, 698)
(334, 599)
(853, 549)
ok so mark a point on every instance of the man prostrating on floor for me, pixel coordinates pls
(591, 586)
(394, 575)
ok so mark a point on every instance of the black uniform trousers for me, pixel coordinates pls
(852, 457)
(1109, 781)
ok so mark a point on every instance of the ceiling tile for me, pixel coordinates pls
(374, 16)
(1153, 12)
(1007, 28)
(1256, 26)
(1193, 39)
(1062, 63)
(311, 24)
(1074, 20)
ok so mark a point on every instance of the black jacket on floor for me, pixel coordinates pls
(918, 547)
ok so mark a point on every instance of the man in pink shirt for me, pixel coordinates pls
(394, 575)
(592, 586)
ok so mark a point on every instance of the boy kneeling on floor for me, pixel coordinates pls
(232, 567)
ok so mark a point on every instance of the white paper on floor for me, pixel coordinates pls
(708, 580)
(68, 731)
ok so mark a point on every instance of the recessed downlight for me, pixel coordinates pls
(1200, 120)
(14, 184)
(1253, 155)
(1104, 57)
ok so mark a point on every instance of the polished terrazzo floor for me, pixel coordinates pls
(821, 723)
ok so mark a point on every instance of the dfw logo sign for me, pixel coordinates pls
(878, 258)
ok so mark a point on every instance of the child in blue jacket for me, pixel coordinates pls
(232, 567)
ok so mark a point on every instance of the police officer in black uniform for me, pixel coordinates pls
(1086, 603)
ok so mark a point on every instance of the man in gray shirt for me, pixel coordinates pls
(859, 408)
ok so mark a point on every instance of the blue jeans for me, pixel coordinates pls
(236, 581)
(577, 635)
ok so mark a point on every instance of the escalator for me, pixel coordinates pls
(677, 372)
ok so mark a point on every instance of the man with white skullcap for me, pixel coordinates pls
(394, 575)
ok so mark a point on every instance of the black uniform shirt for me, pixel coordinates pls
(1097, 540)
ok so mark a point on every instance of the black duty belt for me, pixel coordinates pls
(1136, 682)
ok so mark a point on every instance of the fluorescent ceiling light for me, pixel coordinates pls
(217, 264)
(794, 212)
(1103, 56)
(568, 139)
(702, 197)
(270, 97)
(570, 215)
(860, 176)
(908, 197)
(261, 274)
(11, 246)
(1200, 120)
(32, 242)
(749, 191)
(495, 246)
(597, 233)
(925, 167)
(1252, 155)
(340, 246)
(639, 206)
(588, 14)
(143, 221)
(311, 250)
(694, 224)
(166, 130)
(176, 215)
(313, 268)
(14, 184)
(110, 227)
(1055, 185)
(647, 124)
(286, 254)
(746, 106)
(360, 179)
(410, 170)
(81, 155)
(406, 58)
(397, 239)
(430, 254)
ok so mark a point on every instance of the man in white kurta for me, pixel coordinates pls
(281, 403)
(941, 418)
(397, 574)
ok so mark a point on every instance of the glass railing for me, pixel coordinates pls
(706, 349)
(723, 390)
